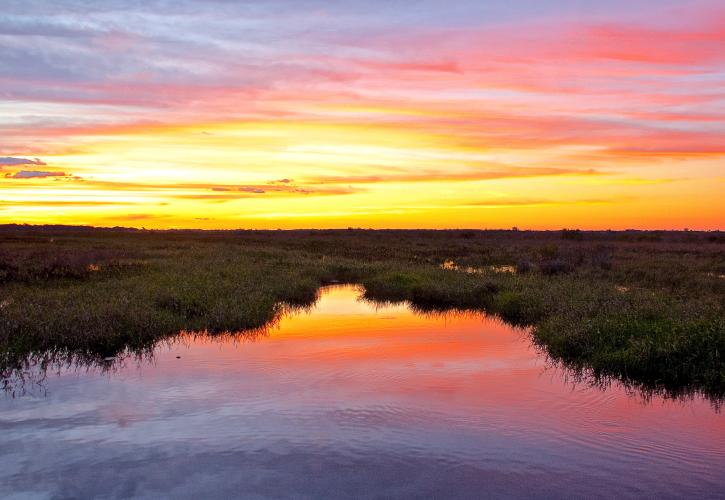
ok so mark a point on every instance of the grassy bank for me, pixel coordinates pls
(645, 307)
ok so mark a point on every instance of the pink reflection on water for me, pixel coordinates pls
(455, 401)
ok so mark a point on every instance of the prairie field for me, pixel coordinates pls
(644, 308)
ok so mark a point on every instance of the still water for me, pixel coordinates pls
(352, 400)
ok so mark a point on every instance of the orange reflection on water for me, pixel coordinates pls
(477, 365)
(330, 400)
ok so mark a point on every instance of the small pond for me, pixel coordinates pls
(351, 400)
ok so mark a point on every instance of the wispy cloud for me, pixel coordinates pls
(539, 202)
(63, 203)
(138, 217)
(191, 190)
(255, 190)
(442, 175)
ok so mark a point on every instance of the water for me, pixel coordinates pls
(352, 400)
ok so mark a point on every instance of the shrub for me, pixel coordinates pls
(555, 266)
(549, 251)
(572, 234)
(524, 266)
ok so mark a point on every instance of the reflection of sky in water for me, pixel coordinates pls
(353, 400)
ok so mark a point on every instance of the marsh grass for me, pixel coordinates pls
(645, 308)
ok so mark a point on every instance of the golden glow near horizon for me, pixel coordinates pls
(623, 130)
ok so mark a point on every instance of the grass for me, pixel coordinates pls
(647, 308)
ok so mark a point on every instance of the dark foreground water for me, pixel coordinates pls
(351, 400)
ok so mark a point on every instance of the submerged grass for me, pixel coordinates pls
(645, 307)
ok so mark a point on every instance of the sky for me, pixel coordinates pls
(406, 114)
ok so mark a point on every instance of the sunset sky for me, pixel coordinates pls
(297, 113)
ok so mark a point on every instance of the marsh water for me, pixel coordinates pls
(351, 400)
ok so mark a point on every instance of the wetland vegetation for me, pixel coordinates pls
(646, 308)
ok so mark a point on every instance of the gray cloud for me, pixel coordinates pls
(12, 161)
(251, 189)
(34, 174)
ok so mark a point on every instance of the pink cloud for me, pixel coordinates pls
(648, 85)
